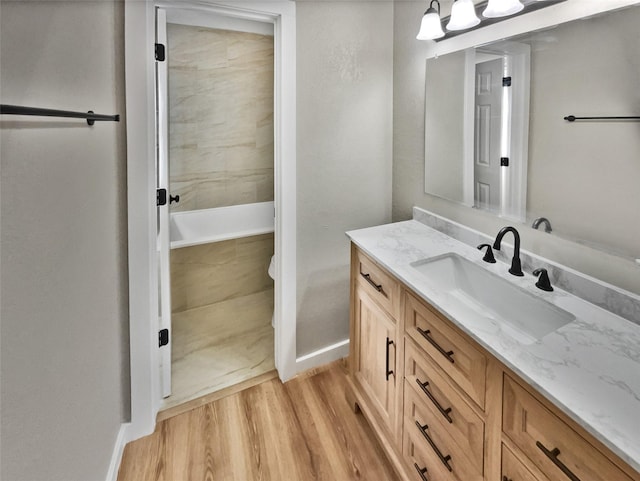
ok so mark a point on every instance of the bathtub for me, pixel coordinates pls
(221, 223)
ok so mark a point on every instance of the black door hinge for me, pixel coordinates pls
(506, 81)
(163, 337)
(161, 197)
(160, 56)
(504, 161)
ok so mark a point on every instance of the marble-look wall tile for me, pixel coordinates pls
(220, 117)
(209, 273)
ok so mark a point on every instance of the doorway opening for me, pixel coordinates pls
(496, 126)
(215, 158)
(148, 361)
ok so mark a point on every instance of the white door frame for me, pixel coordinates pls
(140, 119)
(516, 57)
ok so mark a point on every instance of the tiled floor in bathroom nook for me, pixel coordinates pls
(219, 345)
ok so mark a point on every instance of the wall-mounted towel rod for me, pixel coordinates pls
(89, 116)
(573, 118)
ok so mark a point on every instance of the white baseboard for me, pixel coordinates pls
(323, 356)
(118, 449)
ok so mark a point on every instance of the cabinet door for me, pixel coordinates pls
(375, 359)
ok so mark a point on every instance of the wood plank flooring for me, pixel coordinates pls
(303, 430)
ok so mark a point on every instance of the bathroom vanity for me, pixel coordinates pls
(455, 391)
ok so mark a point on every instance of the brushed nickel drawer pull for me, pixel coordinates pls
(553, 456)
(377, 287)
(388, 371)
(421, 472)
(444, 412)
(445, 459)
(426, 335)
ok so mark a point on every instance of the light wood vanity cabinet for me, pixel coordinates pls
(443, 408)
(556, 449)
(373, 364)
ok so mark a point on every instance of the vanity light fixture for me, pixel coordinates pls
(463, 15)
(502, 8)
(431, 25)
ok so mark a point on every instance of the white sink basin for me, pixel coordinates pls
(470, 288)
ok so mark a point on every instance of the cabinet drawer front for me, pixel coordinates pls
(445, 405)
(435, 437)
(552, 445)
(456, 355)
(419, 458)
(514, 470)
(380, 285)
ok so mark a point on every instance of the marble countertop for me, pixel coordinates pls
(589, 368)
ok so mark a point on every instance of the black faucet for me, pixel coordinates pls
(516, 268)
(543, 281)
(488, 256)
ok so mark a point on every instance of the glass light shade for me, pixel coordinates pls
(463, 15)
(502, 8)
(431, 27)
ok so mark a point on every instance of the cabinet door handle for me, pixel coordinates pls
(443, 411)
(388, 371)
(553, 456)
(445, 459)
(447, 354)
(377, 287)
(421, 472)
(504, 478)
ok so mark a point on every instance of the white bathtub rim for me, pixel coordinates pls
(219, 238)
(260, 220)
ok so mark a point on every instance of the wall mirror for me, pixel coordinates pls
(496, 137)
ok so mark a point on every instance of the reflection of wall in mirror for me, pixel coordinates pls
(443, 133)
(584, 176)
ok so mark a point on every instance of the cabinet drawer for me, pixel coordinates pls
(445, 406)
(514, 470)
(381, 286)
(552, 445)
(435, 437)
(450, 350)
(421, 463)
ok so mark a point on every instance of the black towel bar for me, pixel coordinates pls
(573, 118)
(89, 116)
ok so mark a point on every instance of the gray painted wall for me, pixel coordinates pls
(64, 332)
(344, 95)
(408, 166)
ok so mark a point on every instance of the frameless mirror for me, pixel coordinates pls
(496, 137)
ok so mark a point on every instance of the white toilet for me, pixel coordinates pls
(272, 274)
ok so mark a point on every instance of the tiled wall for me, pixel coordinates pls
(220, 117)
(210, 273)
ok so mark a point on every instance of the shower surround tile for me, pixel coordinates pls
(209, 273)
(220, 345)
(220, 117)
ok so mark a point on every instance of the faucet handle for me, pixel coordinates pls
(543, 279)
(488, 256)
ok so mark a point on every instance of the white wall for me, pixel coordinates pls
(345, 65)
(64, 348)
(408, 165)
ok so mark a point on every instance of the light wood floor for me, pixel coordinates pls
(303, 430)
(219, 345)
